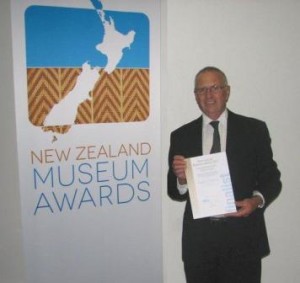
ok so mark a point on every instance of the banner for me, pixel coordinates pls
(87, 93)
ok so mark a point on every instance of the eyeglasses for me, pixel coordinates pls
(212, 89)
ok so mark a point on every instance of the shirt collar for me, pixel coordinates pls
(222, 119)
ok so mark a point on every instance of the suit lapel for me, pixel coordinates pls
(235, 139)
(195, 139)
(230, 133)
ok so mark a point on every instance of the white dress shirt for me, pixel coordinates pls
(208, 132)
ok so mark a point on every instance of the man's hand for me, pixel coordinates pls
(178, 167)
(246, 207)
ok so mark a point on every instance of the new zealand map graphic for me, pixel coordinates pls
(86, 66)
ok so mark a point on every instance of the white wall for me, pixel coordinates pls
(257, 44)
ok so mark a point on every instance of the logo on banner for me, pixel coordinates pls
(86, 66)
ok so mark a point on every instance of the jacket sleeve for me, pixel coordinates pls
(268, 176)
(173, 191)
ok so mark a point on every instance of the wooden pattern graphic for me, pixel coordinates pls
(122, 96)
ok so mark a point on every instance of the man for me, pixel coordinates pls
(229, 248)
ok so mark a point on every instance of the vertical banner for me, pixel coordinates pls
(87, 94)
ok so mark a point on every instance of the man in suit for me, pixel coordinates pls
(225, 248)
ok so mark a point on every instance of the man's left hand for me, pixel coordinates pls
(246, 207)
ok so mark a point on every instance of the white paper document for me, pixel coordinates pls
(210, 185)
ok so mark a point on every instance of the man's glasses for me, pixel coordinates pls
(212, 89)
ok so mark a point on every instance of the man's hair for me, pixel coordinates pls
(211, 69)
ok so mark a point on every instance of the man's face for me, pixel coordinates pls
(211, 93)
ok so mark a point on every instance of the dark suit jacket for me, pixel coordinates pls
(251, 166)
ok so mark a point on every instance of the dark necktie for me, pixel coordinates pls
(216, 146)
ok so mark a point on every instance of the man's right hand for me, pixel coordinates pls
(179, 166)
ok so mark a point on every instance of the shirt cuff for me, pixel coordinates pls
(182, 188)
(257, 193)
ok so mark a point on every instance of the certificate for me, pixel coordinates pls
(209, 184)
